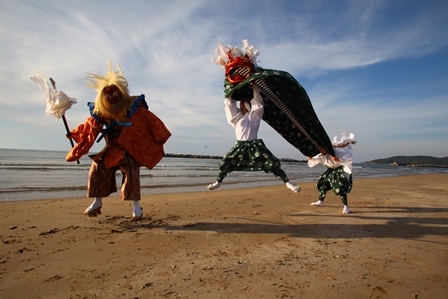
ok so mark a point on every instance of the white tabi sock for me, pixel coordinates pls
(97, 203)
(293, 188)
(214, 186)
(137, 210)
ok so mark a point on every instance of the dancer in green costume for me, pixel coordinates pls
(288, 109)
(283, 104)
(249, 152)
(338, 176)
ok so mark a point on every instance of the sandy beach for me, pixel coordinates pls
(264, 242)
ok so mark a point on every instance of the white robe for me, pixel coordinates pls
(247, 125)
(344, 154)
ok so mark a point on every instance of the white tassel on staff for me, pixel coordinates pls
(57, 101)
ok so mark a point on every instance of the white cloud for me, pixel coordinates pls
(165, 50)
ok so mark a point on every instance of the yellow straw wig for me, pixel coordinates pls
(99, 82)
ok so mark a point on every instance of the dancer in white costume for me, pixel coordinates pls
(338, 176)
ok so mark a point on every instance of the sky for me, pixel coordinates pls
(378, 69)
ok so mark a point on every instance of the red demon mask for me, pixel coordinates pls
(238, 69)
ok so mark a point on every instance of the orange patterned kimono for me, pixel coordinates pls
(138, 142)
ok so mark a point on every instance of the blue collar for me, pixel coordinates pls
(113, 123)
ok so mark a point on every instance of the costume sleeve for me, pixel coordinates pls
(316, 160)
(344, 153)
(256, 112)
(257, 101)
(233, 114)
(325, 160)
(346, 158)
(85, 135)
(144, 140)
(159, 130)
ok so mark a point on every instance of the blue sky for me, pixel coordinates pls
(378, 69)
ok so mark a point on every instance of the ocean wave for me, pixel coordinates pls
(28, 174)
(39, 168)
(41, 189)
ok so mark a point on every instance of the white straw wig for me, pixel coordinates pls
(223, 53)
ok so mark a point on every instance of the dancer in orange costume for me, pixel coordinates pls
(134, 137)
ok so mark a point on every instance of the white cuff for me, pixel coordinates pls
(229, 101)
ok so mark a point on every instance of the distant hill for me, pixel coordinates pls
(417, 161)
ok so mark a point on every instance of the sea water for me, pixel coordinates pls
(36, 174)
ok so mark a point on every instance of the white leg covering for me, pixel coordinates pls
(97, 203)
(292, 187)
(137, 210)
(213, 186)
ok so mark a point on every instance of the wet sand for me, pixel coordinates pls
(263, 242)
